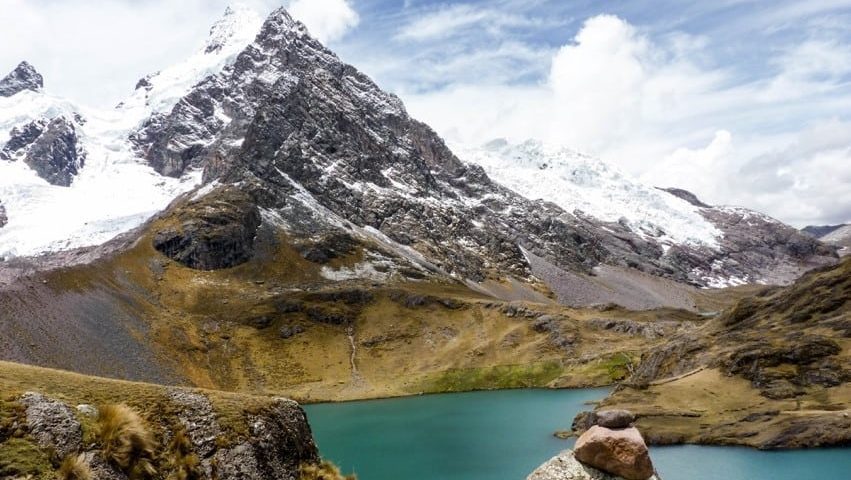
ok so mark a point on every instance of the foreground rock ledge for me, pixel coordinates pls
(565, 466)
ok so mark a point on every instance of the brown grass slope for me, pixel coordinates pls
(276, 325)
(774, 371)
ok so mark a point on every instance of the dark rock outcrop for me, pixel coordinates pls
(50, 147)
(4, 219)
(687, 196)
(214, 232)
(277, 442)
(20, 138)
(23, 77)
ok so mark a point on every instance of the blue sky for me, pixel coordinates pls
(743, 102)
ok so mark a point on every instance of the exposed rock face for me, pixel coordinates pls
(320, 146)
(687, 196)
(280, 441)
(214, 232)
(565, 466)
(621, 452)
(50, 147)
(649, 330)
(23, 77)
(277, 444)
(53, 424)
(4, 219)
(20, 138)
(763, 248)
(318, 132)
(198, 418)
(760, 335)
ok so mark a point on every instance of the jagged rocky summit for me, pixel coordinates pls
(23, 77)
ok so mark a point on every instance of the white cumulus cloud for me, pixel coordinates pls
(652, 107)
(327, 20)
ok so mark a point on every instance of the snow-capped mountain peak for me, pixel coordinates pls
(578, 182)
(158, 92)
(236, 28)
(23, 77)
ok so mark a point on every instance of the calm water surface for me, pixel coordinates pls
(504, 435)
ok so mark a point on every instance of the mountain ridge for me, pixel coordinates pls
(234, 111)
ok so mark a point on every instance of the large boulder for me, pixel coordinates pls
(52, 424)
(279, 442)
(565, 466)
(619, 452)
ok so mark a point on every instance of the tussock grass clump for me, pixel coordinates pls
(182, 462)
(127, 441)
(75, 467)
(323, 471)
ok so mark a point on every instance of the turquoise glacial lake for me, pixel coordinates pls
(504, 435)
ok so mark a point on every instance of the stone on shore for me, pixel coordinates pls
(615, 418)
(564, 466)
(619, 452)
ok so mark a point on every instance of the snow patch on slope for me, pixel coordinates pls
(159, 92)
(579, 182)
(115, 190)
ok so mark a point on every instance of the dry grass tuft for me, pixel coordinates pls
(323, 471)
(181, 461)
(127, 441)
(75, 467)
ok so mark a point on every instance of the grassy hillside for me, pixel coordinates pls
(774, 371)
(285, 323)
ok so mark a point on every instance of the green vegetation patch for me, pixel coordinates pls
(618, 366)
(22, 458)
(488, 378)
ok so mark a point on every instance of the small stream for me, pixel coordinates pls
(504, 435)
